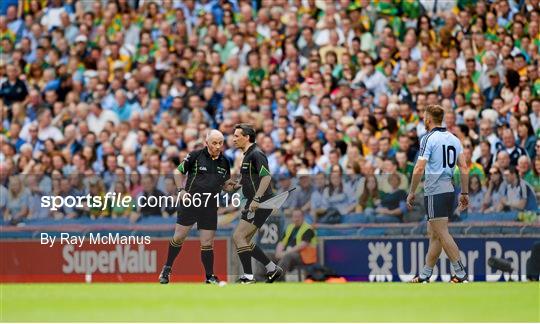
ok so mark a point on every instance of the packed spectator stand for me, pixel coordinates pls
(100, 96)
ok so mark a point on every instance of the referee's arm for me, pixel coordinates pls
(263, 185)
(179, 181)
(180, 172)
(261, 165)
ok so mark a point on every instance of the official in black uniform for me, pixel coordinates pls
(208, 171)
(255, 183)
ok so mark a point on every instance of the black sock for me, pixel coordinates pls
(207, 258)
(174, 249)
(258, 254)
(244, 253)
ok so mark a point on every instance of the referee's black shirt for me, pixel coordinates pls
(254, 167)
(205, 175)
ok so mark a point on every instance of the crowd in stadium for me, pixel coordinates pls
(110, 95)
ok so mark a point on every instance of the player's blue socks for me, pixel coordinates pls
(459, 269)
(426, 272)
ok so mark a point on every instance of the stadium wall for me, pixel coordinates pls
(391, 259)
(30, 261)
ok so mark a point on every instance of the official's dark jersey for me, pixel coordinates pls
(254, 167)
(205, 175)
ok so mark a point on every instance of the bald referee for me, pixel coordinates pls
(207, 172)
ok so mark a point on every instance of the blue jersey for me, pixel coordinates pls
(441, 150)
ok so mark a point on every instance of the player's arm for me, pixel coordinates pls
(418, 172)
(464, 174)
(423, 157)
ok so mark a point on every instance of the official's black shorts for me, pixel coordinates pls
(260, 217)
(206, 218)
(440, 205)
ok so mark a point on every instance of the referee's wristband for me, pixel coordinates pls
(464, 193)
(257, 199)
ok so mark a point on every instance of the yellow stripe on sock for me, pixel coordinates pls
(243, 249)
(175, 244)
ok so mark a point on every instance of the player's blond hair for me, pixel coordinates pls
(436, 112)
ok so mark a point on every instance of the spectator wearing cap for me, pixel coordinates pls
(510, 147)
(494, 89)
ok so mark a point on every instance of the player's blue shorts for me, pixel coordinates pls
(440, 205)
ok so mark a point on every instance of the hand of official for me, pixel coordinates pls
(253, 206)
(231, 185)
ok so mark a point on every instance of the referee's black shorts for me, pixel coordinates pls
(205, 217)
(261, 215)
(440, 205)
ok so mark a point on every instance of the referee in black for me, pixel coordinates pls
(208, 173)
(255, 182)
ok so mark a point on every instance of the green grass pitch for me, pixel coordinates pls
(281, 302)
